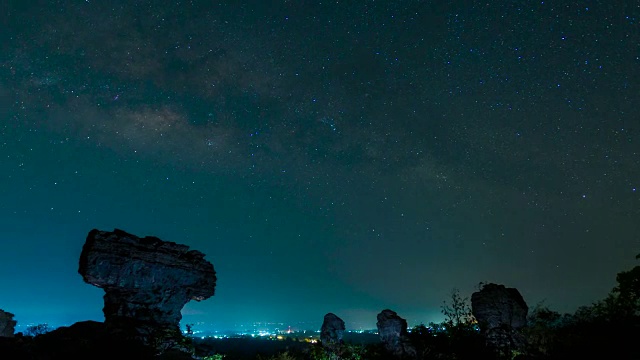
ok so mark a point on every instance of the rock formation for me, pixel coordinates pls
(393, 334)
(7, 324)
(331, 331)
(500, 312)
(146, 281)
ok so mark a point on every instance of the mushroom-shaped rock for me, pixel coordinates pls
(146, 281)
(331, 331)
(500, 311)
(7, 324)
(393, 334)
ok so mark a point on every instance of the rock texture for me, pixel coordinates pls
(7, 324)
(332, 331)
(146, 281)
(393, 334)
(500, 312)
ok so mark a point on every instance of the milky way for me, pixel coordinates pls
(327, 157)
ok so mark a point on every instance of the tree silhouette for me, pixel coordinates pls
(35, 330)
(457, 312)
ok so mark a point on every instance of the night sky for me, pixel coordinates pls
(334, 156)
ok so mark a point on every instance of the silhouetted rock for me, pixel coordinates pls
(393, 334)
(500, 312)
(7, 324)
(89, 340)
(146, 281)
(331, 331)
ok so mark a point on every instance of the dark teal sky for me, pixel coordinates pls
(324, 156)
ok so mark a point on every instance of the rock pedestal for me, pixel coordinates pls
(500, 312)
(332, 331)
(146, 281)
(393, 334)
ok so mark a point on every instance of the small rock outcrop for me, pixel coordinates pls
(332, 331)
(7, 324)
(394, 336)
(146, 281)
(500, 312)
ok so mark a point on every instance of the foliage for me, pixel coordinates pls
(446, 341)
(542, 329)
(596, 330)
(342, 352)
(457, 312)
(166, 339)
(35, 330)
(281, 356)
(214, 357)
(626, 295)
(458, 337)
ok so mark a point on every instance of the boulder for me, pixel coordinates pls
(7, 324)
(501, 312)
(394, 336)
(331, 331)
(146, 281)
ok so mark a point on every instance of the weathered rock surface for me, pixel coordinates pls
(393, 334)
(331, 331)
(7, 324)
(500, 312)
(146, 281)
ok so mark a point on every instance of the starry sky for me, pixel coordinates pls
(326, 156)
